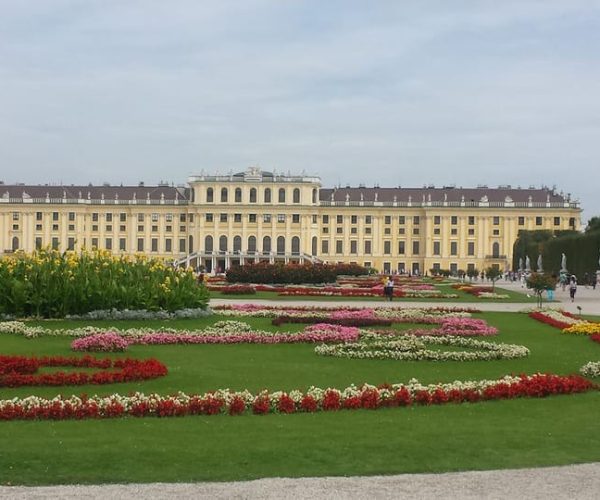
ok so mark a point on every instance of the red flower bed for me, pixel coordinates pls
(358, 322)
(595, 338)
(541, 317)
(332, 291)
(17, 371)
(236, 290)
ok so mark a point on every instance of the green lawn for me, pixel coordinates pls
(443, 288)
(518, 433)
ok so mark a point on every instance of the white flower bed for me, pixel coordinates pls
(591, 369)
(410, 348)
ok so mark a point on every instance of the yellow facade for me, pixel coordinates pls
(219, 221)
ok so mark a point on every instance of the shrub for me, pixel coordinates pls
(264, 272)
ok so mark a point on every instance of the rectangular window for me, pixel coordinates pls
(38, 227)
(140, 217)
(471, 232)
(182, 229)
(71, 244)
(38, 242)
(415, 248)
(401, 247)
(154, 243)
(388, 219)
(55, 216)
(140, 244)
(168, 245)
(326, 219)
(123, 228)
(368, 219)
(123, 217)
(387, 247)
(367, 230)
(415, 231)
(353, 247)
(387, 231)
(295, 218)
(252, 218)
(496, 232)
(368, 247)
(71, 227)
(108, 243)
(108, 217)
(237, 217)
(72, 216)
(339, 247)
(436, 248)
(401, 220)
(496, 220)
(453, 248)
(436, 230)
(454, 220)
(209, 217)
(521, 221)
(437, 219)
(182, 218)
(15, 227)
(280, 217)
(267, 218)
(340, 219)
(538, 221)
(168, 217)
(325, 246)
(416, 220)
(169, 229)
(354, 219)
(315, 219)
(122, 244)
(155, 229)
(38, 216)
(223, 218)
(182, 245)
(140, 229)
(325, 230)
(339, 230)
(353, 230)
(471, 220)
(109, 228)
(557, 221)
(154, 217)
(94, 243)
(471, 248)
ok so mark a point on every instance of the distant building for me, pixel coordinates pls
(221, 220)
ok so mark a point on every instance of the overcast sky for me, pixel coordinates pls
(382, 92)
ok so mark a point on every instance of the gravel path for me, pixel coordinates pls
(569, 482)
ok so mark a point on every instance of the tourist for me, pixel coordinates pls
(594, 281)
(389, 289)
(573, 287)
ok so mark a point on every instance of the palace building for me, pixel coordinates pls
(217, 221)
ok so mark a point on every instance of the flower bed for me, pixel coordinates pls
(17, 371)
(591, 369)
(566, 322)
(357, 322)
(101, 342)
(237, 290)
(595, 338)
(411, 348)
(481, 292)
(226, 402)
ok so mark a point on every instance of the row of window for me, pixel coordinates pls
(253, 195)
(122, 217)
(252, 218)
(108, 244)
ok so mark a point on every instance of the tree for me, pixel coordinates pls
(494, 274)
(472, 273)
(593, 225)
(539, 283)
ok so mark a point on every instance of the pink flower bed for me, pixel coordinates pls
(101, 342)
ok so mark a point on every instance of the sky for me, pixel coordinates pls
(384, 92)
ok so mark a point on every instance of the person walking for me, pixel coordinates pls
(389, 289)
(573, 287)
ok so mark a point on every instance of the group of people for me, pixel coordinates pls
(388, 289)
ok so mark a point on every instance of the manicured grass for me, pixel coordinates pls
(519, 433)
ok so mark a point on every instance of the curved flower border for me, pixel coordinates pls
(17, 371)
(408, 348)
(226, 402)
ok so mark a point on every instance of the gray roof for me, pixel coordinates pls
(439, 195)
(94, 192)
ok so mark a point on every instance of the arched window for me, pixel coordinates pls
(253, 195)
(223, 195)
(210, 196)
(268, 195)
(223, 243)
(314, 246)
(296, 196)
(266, 247)
(237, 244)
(280, 245)
(208, 244)
(191, 244)
(238, 195)
(296, 245)
(251, 244)
(496, 250)
(281, 195)
(15, 243)
(314, 196)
